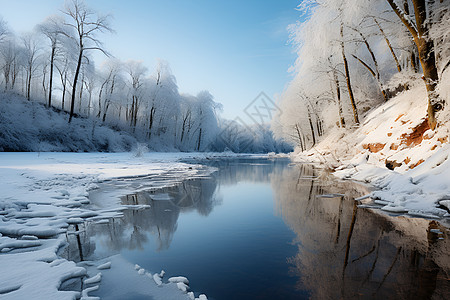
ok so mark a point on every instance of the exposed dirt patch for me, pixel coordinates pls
(399, 117)
(416, 164)
(392, 164)
(415, 137)
(443, 140)
(394, 147)
(374, 147)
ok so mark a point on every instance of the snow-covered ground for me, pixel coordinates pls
(43, 196)
(396, 152)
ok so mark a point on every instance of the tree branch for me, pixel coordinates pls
(365, 65)
(404, 18)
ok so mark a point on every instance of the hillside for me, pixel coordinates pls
(396, 152)
(30, 126)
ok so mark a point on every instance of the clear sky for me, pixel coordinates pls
(233, 48)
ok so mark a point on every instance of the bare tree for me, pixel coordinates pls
(9, 53)
(388, 43)
(375, 72)
(3, 30)
(52, 28)
(136, 70)
(425, 46)
(337, 88)
(347, 77)
(86, 25)
(31, 48)
(112, 73)
(63, 70)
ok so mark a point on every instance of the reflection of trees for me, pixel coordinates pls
(160, 219)
(166, 204)
(79, 244)
(349, 252)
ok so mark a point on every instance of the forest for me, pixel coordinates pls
(356, 55)
(54, 66)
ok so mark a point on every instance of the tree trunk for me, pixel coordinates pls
(347, 78)
(75, 80)
(425, 47)
(399, 68)
(376, 73)
(338, 94)
(6, 71)
(14, 76)
(29, 84)
(105, 111)
(99, 112)
(313, 134)
(150, 124)
(199, 139)
(81, 93)
(184, 126)
(44, 77)
(299, 135)
(338, 97)
(52, 59)
(89, 103)
(63, 96)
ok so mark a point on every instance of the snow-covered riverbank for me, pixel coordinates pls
(44, 195)
(395, 151)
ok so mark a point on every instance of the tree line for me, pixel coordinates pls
(54, 64)
(354, 55)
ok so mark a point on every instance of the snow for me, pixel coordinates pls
(419, 184)
(45, 196)
(95, 279)
(179, 279)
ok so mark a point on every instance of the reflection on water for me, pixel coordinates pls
(161, 218)
(347, 252)
(260, 229)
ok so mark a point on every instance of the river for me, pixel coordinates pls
(270, 229)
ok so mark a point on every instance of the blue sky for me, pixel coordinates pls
(234, 49)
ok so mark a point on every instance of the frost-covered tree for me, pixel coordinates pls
(111, 81)
(136, 72)
(52, 28)
(163, 102)
(420, 31)
(205, 117)
(10, 54)
(85, 25)
(30, 58)
(354, 54)
(120, 94)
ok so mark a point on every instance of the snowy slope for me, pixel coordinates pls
(396, 152)
(29, 126)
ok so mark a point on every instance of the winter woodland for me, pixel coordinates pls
(54, 66)
(355, 55)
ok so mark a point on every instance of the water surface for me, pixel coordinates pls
(260, 229)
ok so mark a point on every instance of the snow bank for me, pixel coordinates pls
(29, 126)
(44, 198)
(395, 151)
